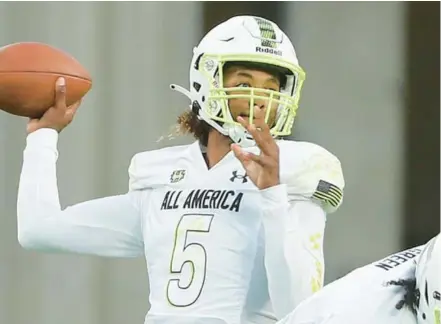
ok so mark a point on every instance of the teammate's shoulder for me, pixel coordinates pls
(312, 172)
(399, 260)
(147, 168)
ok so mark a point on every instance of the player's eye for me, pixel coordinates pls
(243, 85)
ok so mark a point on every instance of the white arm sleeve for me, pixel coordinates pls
(106, 227)
(294, 258)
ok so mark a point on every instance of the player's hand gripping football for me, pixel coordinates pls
(262, 169)
(58, 116)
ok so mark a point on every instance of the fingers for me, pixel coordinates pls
(32, 125)
(60, 93)
(241, 155)
(247, 157)
(71, 111)
(238, 152)
(251, 128)
(259, 118)
(73, 108)
(262, 136)
(261, 124)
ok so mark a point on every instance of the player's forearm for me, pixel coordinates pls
(293, 250)
(37, 191)
(107, 227)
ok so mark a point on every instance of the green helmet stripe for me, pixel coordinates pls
(267, 32)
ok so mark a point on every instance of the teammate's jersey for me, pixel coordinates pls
(363, 296)
(204, 232)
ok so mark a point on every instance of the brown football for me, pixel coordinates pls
(28, 72)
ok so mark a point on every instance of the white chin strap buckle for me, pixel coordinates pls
(238, 135)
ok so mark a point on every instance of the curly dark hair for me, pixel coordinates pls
(189, 123)
(410, 298)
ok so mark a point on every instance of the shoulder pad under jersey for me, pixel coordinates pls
(311, 172)
(151, 169)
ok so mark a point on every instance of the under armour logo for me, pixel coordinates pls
(235, 176)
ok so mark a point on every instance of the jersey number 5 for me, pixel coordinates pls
(189, 260)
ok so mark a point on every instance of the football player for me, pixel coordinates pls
(427, 301)
(403, 288)
(232, 225)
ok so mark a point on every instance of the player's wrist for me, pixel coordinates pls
(270, 179)
(275, 196)
(32, 129)
(43, 136)
(269, 184)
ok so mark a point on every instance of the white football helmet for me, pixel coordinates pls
(244, 39)
(428, 283)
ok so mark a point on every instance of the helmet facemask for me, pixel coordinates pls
(215, 108)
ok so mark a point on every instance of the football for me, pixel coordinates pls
(28, 72)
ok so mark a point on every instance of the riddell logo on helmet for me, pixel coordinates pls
(268, 50)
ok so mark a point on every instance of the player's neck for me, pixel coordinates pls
(218, 146)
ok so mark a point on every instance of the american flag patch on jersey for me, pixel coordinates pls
(329, 193)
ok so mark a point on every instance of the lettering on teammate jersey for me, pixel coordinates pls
(203, 199)
(398, 258)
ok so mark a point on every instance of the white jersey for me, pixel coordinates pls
(204, 232)
(363, 296)
(314, 176)
(200, 231)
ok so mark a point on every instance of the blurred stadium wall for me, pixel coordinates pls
(371, 97)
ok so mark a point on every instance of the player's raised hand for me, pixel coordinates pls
(262, 169)
(58, 116)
